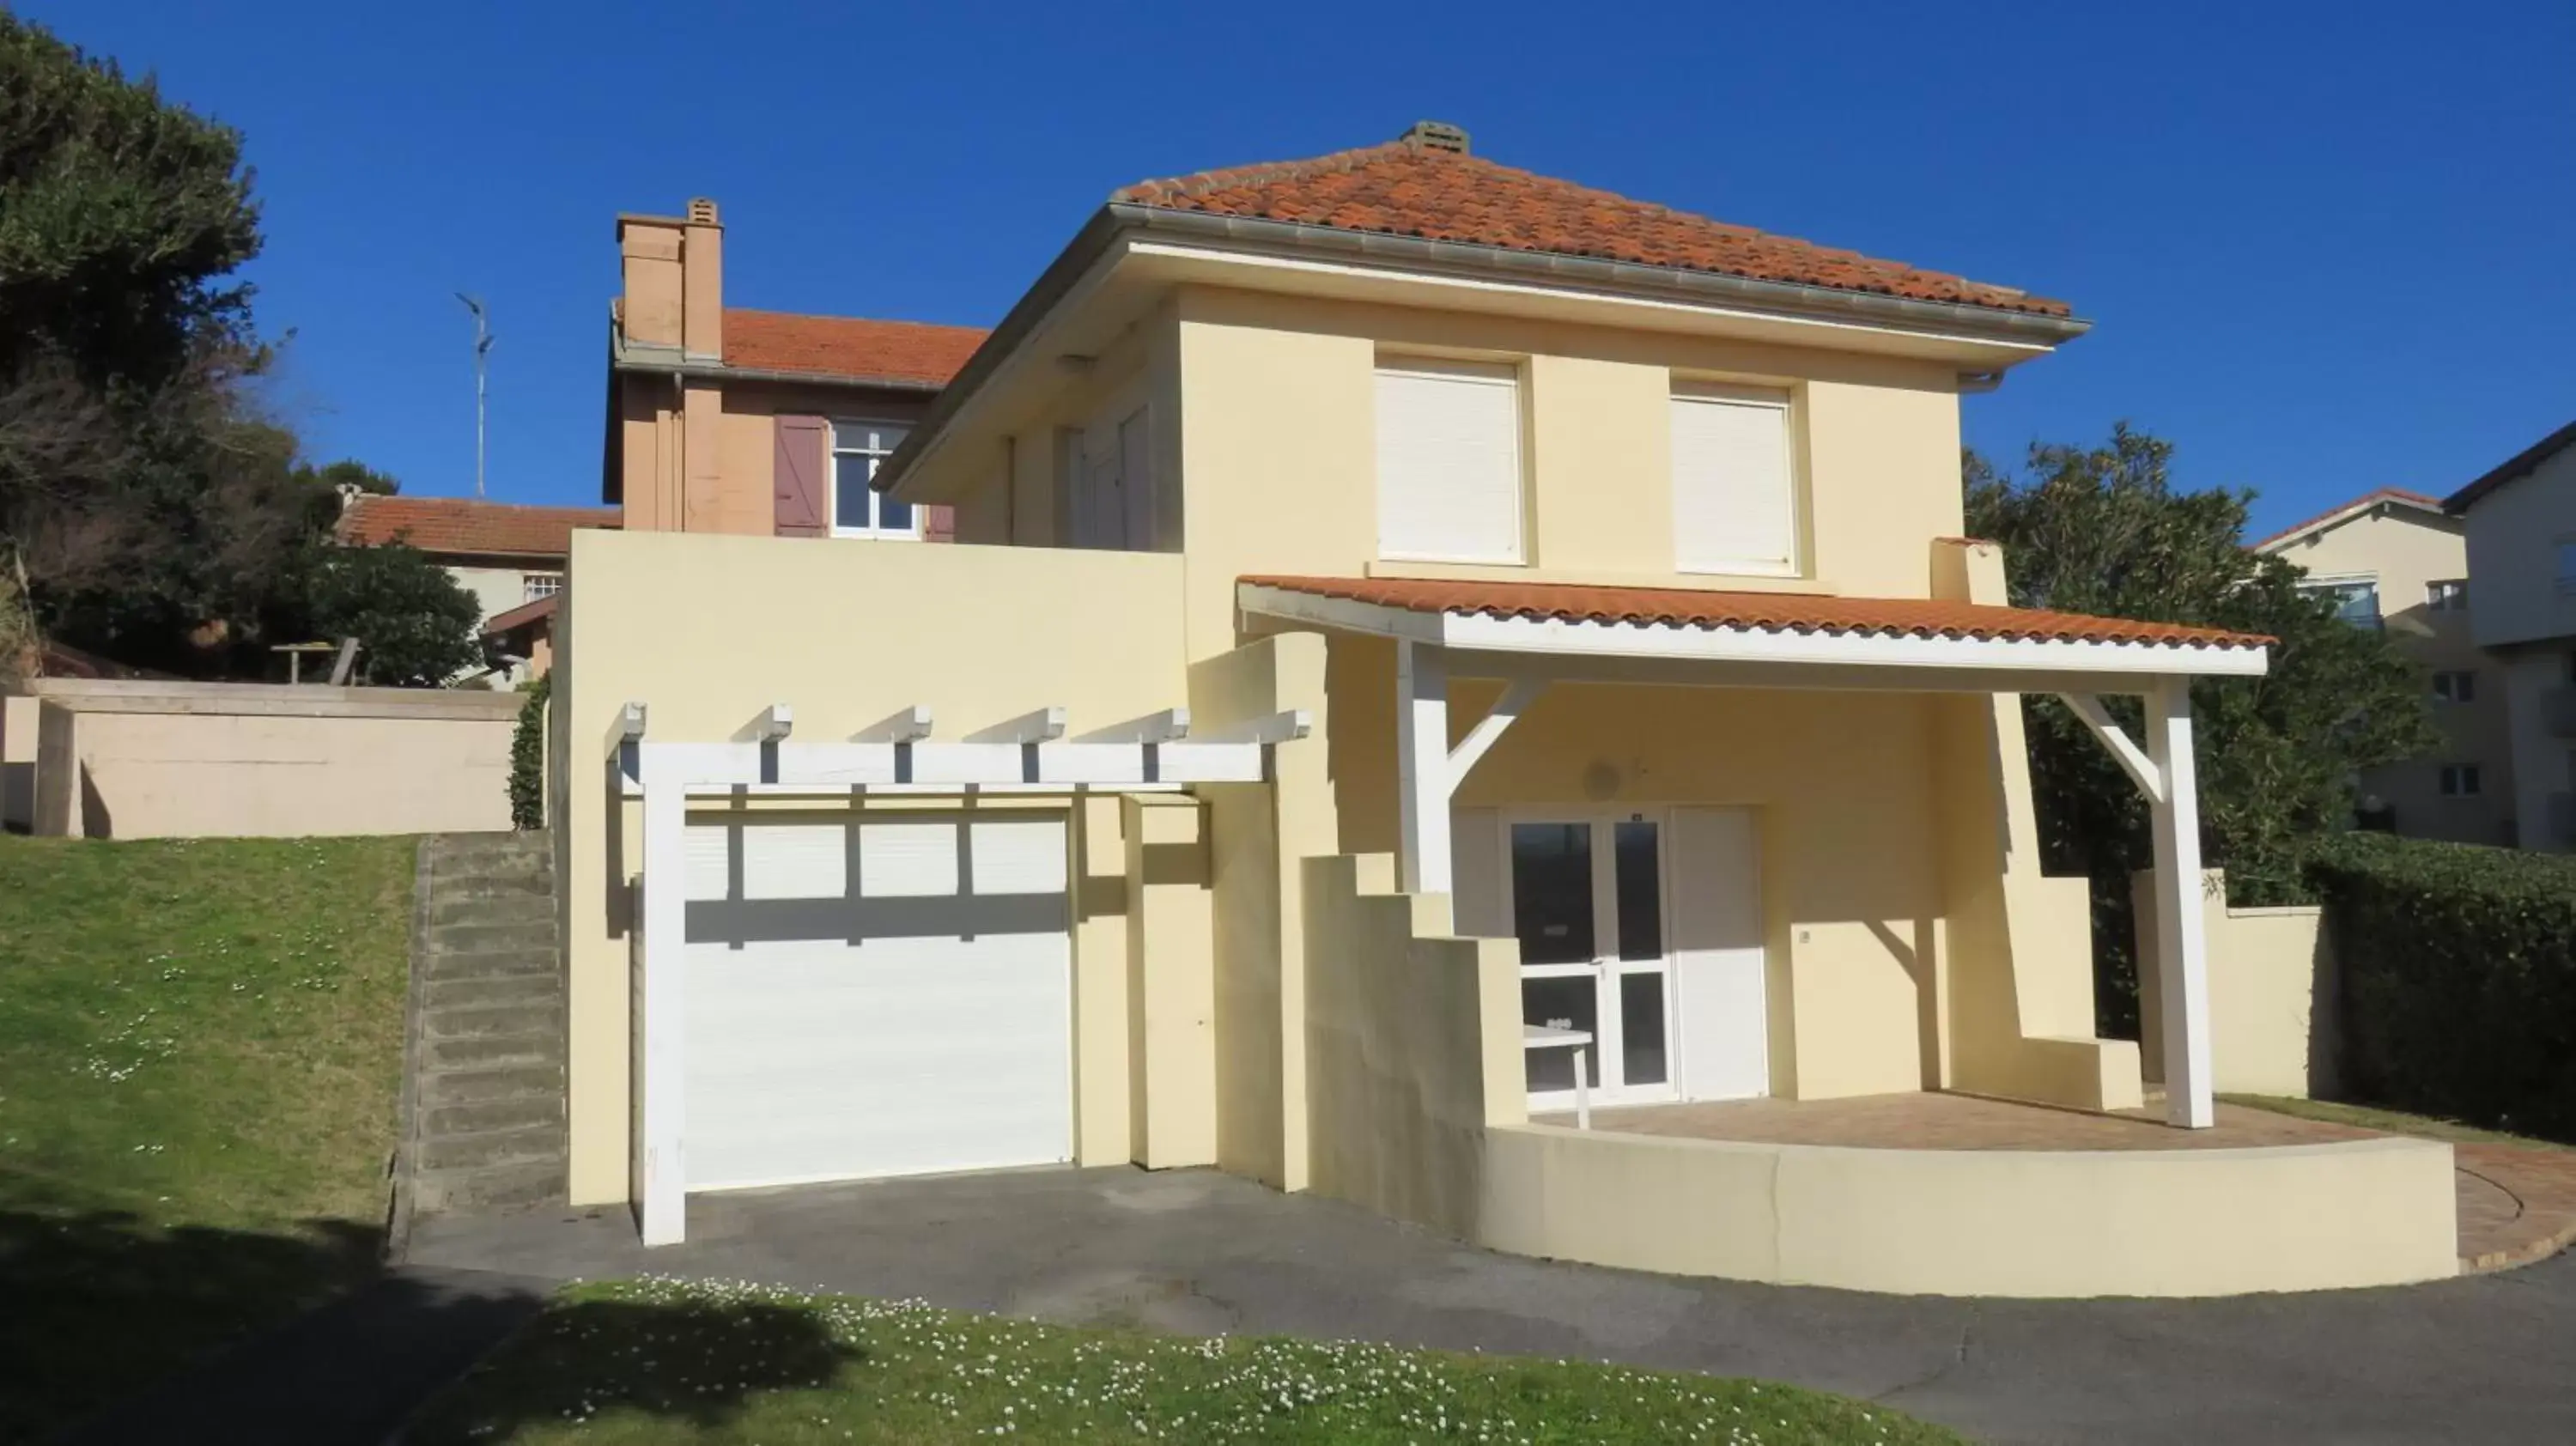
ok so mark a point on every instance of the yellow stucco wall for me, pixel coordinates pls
(2270, 971)
(706, 631)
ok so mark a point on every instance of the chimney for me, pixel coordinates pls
(1433, 135)
(674, 281)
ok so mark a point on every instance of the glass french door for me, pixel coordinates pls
(1587, 901)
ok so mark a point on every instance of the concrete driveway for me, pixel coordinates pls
(2488, 1358)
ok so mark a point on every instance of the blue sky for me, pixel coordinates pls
(2327, 248)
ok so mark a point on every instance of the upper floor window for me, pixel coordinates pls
(2460, 780)
(2456, 687)
(1735, 507)
(2355, 601)
(2567, 564)
(534, 585)
(858, 510)
(1108, 472)
(1449, 462)
(2447, 597)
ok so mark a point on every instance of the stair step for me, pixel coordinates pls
(523, 906)
(492, 992)
(542, 1018)
(443, 1121)
(518, 884)
(484, 938)
(484, 1051)
(491, 1187)
(480, 1084)
(493, 964)
(527, 1144)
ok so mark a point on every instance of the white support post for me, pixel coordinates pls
(662, 1208)
(2182, 946)
(1422, 766)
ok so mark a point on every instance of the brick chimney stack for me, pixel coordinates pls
(674, 282)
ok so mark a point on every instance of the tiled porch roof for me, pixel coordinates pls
(522, 615)
(1753, 612)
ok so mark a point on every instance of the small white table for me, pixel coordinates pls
(1540, 1036)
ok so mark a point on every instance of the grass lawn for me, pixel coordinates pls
(2393, 1122)
(200, 1049)
(671, 1361)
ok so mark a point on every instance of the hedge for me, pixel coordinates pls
(528, 759)
(2459, 978)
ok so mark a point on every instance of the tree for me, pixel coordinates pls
(415, 626)
(2099, 530)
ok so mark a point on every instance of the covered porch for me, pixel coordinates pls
(1895, 825)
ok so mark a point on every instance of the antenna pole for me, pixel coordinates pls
(482, 379)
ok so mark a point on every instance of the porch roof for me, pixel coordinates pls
(1684, 623)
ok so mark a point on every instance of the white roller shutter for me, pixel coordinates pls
(879, 995)
(1449, 462)
(1734, 506)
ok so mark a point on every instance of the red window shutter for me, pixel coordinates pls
(796, 476)
(939, 524)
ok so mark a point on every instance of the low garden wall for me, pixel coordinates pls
(2273, 1021)
(235, 760)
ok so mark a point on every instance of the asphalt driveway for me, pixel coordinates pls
(2488, 1358)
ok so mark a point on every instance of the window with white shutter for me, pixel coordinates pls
(1735, 506)
(1449, 462)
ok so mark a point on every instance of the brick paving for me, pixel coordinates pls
(2517, 1203)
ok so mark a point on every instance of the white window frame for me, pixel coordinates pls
(1496, 373)
(536, 585)
(1783, 400)
(2447, 595)
(2462, 780)
(876, 452)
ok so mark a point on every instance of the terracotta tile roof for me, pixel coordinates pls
(1751, 611)
(520, 616)
(1407, 190)
(848, 348)
(463, 526)
(2344, 509)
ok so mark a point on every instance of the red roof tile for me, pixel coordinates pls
(463, 526)
(848, 348)
(1407, 190)
(2383, 494)
(1753, 611)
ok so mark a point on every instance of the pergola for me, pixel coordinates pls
(900, 755)
(1529, 636)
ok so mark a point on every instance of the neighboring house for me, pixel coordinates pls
(2395, 561)
(726, 420)
(510, 556)
(1415, 625)
(2522, 561)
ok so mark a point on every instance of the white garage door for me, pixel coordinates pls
(888, 994)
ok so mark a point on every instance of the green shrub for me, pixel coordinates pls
(2459, 978)
(528, 759)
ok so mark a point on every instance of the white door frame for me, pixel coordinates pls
(1606, 968)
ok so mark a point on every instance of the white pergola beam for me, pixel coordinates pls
(2182, 943)
(769, 725)
(1285, 726)
(848, 765)
(629, 725)
(905, 725)
(1518, 695)
(2133, 760)
(1171, 725)
(1042, 726)
(1422, 766)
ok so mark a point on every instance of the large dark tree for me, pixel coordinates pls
(153, 511)
(2100, 530)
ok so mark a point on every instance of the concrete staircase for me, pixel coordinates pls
(484, 1101)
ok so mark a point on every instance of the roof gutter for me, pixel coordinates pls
(1667, 283)
(670, 361)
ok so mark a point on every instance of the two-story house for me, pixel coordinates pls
(2521, 520)
(2394, 561)
(1430, 650)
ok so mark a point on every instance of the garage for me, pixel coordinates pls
(877, 992)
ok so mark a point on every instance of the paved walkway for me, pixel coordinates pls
(2478, 1359)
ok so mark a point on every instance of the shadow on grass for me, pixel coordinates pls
(693, 1362)
(99, 1304)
